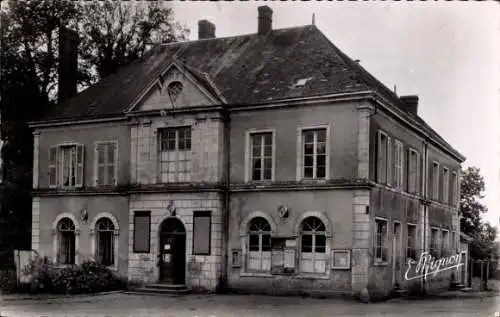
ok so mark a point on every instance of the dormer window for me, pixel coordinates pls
(174, 89)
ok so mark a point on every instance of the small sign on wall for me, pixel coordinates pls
(341, 259)
(236, 258)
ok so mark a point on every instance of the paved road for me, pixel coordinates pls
(245, 306)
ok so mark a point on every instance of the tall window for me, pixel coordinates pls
(435, 180)
(106, 163)
(411, 250)
(105, 242)
(262, 156)
(454, 189)
(66, 166)
(259, 245)
(383, 158)
(313, 246)
(175, 154)
(445, 246)
(380, 240)
(66, 232)
(434, 251)
(413, 171)
(446, 185)
(314, 153)
(453, 242)
(398, 164)
(142, 231)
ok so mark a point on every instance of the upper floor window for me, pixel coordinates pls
(434, 250)
(314, 153)
(413, 171)
(446, 185)
(175, 154)
(105, 160)
(454, 189)
(66, 166)
(261, 154)
(398, 172)
(435, 180)
(383, 158)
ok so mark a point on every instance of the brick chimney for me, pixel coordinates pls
(206, 29)
(410, 103)
(265, 20)
(68, 63)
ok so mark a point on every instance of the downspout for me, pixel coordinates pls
(424, 196)
(225, 204)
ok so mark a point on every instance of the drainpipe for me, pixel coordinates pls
(424, 196)
(225, 203)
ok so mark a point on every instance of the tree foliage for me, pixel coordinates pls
(472, 187)
(112, 33)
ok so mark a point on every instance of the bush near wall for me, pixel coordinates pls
(88, 277)
(8, 280)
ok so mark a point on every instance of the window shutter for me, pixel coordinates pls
(79, 165)
(53, 166)
(418, 175)
(379, 157)
(115, 164)
(96, 164)
(389, 161)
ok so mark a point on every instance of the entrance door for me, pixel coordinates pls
(396, 254)
(172, 252)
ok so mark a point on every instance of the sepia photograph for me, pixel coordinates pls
(249, 158)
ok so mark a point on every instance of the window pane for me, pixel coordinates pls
(111, 153)
(266, 242)
(201, 233)
(308, 172)
(254, 242)
(268, 139)
(111, 175)
(308, 148)
(268, 151)
(256, 140)
(320, 172)
(321, 148)
(321, 135)
(100, 153)
(320, 243)
(308, 136)
(256, 175)
(101, 179)
(268, 174)
(308, 160)
(142, 226)
(306, 243)
(321, 160)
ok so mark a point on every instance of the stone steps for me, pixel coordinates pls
(161, 289)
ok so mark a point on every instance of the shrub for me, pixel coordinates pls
(8, 280)
(42, 272)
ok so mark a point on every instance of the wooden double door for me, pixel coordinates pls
(172, 252)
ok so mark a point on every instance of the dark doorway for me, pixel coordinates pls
(172, 252)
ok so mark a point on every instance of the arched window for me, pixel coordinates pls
(313, 245)
(174, 89)
(105, 242)
(259, 245)
(66, 232)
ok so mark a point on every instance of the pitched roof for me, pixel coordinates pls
(242, 69)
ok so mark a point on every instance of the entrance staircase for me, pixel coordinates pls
(161, 289)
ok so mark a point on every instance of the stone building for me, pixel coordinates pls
(268, 162)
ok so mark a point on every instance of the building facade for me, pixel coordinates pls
(268, 162)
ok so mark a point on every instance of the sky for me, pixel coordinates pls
(447, 53)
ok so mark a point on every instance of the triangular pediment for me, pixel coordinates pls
(178, 87)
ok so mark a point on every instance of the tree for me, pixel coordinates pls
(471, 191)
(113, 33)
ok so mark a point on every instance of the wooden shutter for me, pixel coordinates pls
(201, 232)
(80, 157)
(53, 166)
(142, 231)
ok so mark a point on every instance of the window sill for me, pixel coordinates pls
(340, 268)
(305, 276)
(381, 263)
(256, 274)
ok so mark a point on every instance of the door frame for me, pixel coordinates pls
(161, 234)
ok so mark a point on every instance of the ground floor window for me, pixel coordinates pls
(380, 240)
(66, 237)
(259, 245)
(313, 246)
(105, 253)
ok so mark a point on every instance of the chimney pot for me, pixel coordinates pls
(206, 29)
(410, 103)
(68, 63)
(265, 20)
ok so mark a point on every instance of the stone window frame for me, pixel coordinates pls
(388, 164)
(445, 192)
(248, 154)
(435, 180)
(385, 242)
(116, 235)
(96, 162)
(328, 243)
(414, 249)
(398, 169)
(245, 239)
(189, 152)
(56, 242)
(414, 190)
(300, 152)
(58, 165)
